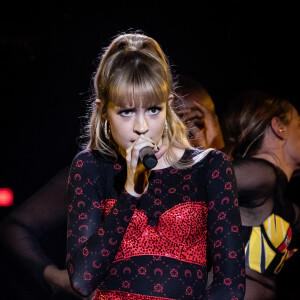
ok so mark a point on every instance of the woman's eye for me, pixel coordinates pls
(126, 113)
(154, 110)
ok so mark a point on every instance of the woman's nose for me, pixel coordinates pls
(140, 126)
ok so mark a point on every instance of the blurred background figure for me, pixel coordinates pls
(196, 108)
(33, 236)
(262, 136)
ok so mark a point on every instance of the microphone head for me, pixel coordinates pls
(149, 161)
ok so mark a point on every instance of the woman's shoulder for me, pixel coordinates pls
(209, 159)
(253, 161)
(91, 154)
(90, 157)
(87, 154)
(213, 164)
(256, 168)
(257, 175)
(210, 156)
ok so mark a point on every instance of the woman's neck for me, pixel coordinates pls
(163, 163)
(278, 160)
(273, 150)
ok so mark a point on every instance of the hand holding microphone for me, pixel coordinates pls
(148, 157)
(141, 157)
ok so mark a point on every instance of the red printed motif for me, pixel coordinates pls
(106, 206)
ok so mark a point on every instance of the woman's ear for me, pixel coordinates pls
(170, 99)
(98, 102)
(278, 128)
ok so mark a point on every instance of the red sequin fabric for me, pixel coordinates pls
(180, 233)
(115, 295)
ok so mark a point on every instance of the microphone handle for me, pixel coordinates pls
(148, 157)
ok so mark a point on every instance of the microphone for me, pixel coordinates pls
(148, 158)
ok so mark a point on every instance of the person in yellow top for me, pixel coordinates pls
(262, 136)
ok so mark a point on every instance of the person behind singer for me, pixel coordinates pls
(197, 111)
(28, 234)
(138, 233)
(262, 136)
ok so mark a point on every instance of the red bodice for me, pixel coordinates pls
(117, 295)
(181, 233)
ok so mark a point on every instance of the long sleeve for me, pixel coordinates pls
(224, 231)
(93, 239)
(23, 228)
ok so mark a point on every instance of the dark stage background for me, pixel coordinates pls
(49, 53)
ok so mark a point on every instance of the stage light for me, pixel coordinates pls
(6, 197)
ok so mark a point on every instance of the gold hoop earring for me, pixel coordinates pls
(106, 130)
(281, 130)
(166, 128)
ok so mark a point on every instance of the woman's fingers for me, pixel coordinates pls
(133, 152)
(191, 114)
(162, 150)
(141, 143)
(137, 174)
(201, 107)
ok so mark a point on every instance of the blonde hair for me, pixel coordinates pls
(134, 68)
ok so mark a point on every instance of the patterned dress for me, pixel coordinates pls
(158, 246)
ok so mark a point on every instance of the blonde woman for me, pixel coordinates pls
(149, 233)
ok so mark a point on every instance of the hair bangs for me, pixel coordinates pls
(138, 87)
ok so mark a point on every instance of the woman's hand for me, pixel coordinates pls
(58, 280)
(203, 125)
(137, 174)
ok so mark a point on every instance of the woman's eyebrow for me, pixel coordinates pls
(125, 107)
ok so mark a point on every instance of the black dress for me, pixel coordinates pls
(155, 247)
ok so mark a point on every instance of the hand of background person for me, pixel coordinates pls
(203, 125)
(58, 280)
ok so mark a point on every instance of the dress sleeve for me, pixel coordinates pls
(224, 231)
(23, 228)
(93, 240)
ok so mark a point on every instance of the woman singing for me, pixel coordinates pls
(149, 233)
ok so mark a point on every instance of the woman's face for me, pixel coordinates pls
(127, 123)
(292, 145)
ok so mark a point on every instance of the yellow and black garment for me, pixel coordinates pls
(267, 247)
(262, 191)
